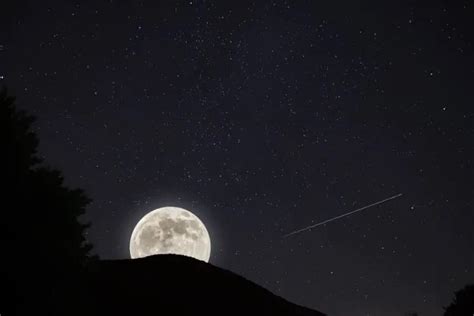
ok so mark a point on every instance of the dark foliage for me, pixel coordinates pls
(463, 303)
(42, 239)
(178, 285)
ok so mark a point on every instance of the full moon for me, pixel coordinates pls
(170, 230)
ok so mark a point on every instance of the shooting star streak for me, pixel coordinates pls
(341, 216)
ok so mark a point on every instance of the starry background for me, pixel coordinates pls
(264, 117)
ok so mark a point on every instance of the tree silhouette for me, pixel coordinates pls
(463, 302)
(43, 241)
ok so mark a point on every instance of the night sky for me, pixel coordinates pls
(262, 118)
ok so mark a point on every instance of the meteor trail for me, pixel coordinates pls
(341, 216)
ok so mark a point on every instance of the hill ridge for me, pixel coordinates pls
(179, 285)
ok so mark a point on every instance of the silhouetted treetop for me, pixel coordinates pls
(41, 234)
(463, 302)
(21, 142)
(47, 210)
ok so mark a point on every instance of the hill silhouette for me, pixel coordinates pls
(177, 285)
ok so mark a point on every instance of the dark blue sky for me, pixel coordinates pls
(261, 118)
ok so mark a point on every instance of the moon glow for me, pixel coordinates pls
(170, 230)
